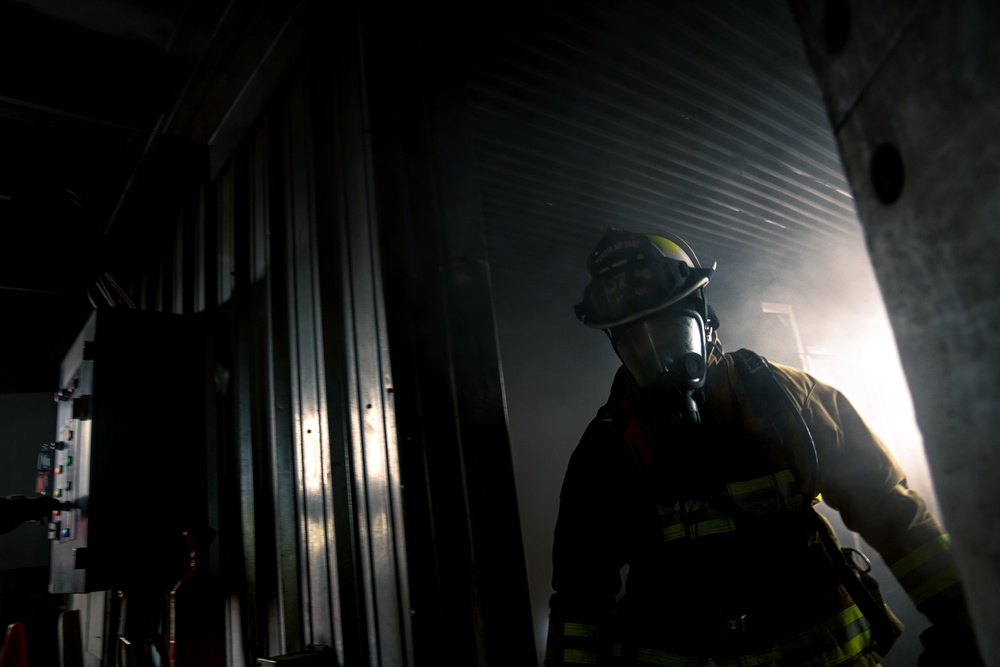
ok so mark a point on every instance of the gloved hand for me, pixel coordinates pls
(15, 510)
(951, 643)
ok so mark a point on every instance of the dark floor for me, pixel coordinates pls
(24, 598)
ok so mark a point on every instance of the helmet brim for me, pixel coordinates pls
(698, 279)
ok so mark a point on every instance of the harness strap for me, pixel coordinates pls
(768, 397)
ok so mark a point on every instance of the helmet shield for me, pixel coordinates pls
(667, 348)
(634, 275)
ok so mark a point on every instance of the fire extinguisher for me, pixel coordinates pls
(197, 621)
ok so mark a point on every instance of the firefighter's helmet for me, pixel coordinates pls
(634, 275)
(647, 291)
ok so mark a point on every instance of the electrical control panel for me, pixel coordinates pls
(129, 454)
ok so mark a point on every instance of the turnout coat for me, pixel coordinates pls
(726, 565)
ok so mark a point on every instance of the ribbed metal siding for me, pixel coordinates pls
(311, 536)
(332, 450)
(375, 593)
(700, 117)
(307, 406)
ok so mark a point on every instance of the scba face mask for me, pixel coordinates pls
(666, 349)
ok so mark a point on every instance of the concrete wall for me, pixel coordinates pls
(913, 95)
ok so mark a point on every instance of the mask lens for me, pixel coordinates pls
(659, 349)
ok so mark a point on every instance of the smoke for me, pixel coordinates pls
(699, 118)
(557, 373)
(845, 339)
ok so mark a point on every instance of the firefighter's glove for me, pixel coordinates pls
(15, 510)
(949, 644)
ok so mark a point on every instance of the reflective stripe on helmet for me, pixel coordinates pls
(671, 250)
(574, 644)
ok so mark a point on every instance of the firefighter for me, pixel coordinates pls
(701, 473)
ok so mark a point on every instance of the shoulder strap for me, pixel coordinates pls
(768, 398)
(875, 611)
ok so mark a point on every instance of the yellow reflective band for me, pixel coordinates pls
(700, 529)
(934, 585)
(790, 502)
(762, 659)
(770, 493)
(579, 630)
(576, 657)
(687, 506)
(920, 555)
(842, 619)
(853, 630)
(848, 650)
(653, 657)
(761, 483)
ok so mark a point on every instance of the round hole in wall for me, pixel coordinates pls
(887, 173)
(836, 25)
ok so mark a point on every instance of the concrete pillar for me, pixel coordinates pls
(913, 93)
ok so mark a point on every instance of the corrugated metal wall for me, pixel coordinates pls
(469, 589)
(280, 246)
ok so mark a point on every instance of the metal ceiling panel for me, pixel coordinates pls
(700, 117)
